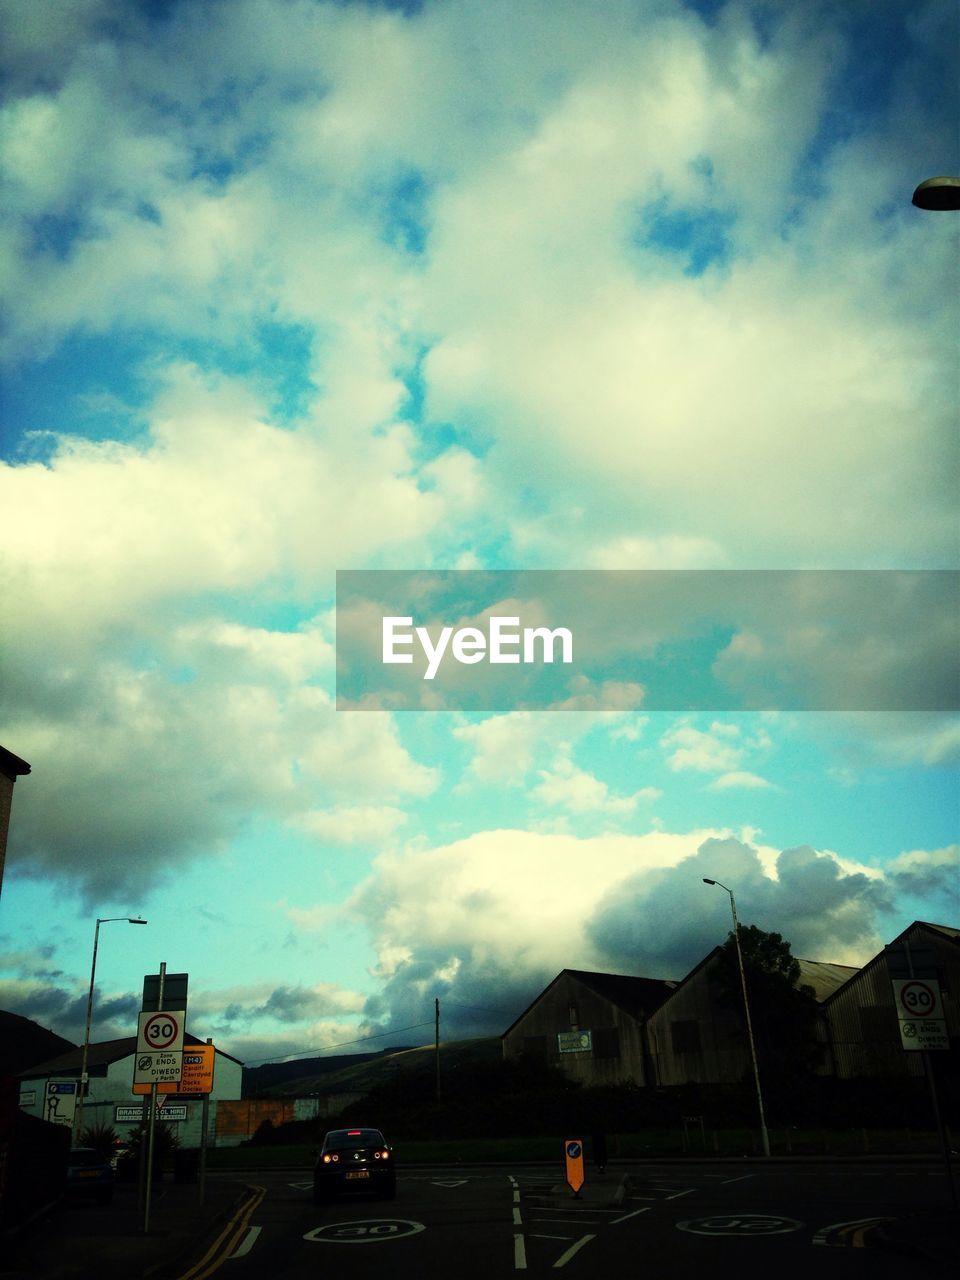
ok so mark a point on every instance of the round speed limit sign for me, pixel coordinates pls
(161, 1032)
(918, 998)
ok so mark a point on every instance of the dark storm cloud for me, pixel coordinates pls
(664, 923)
(482, 998)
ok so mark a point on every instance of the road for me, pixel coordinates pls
(669, 1220)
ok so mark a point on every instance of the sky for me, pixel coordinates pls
(296, 287)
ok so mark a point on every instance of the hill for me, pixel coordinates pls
(272, 1078)
(24, 1043)
(378, 1071)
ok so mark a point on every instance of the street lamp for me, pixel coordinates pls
(938, 193)
(764, 1136)
(78, 1113)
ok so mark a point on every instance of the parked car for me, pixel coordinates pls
(354, 1160)
(89, 1175)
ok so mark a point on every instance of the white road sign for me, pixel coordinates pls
(157, 1068)
(161, 1032)
(920, 1012)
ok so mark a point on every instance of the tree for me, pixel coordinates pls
(784, 1011)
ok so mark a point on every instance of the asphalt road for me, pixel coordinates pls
(672, 1221)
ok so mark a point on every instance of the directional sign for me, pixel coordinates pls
(573, 1155)
(197, 1077)
(60, 1102)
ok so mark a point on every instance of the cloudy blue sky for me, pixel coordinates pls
(296, 286)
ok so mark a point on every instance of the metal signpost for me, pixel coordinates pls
(916, 996)
(159, 1057)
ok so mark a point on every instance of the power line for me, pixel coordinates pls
(286, 1057)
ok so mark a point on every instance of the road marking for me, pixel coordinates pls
(301, 1186)
(364, 1231)
(228, 1239)
(461, 1183)
(632, 1214)
(249, 1242)
(740, 1224)
(574, 1248)
(849, 1235)
(743, 1177)
(517, 1220)
(519, 1253)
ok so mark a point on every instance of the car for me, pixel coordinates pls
(89, 1175)
(358, 1159)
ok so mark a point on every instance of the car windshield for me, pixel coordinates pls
(345, 1139)
(86, 1157)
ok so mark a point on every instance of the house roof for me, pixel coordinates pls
(103, 1054)
(944, 932)
(11, 765)
(823, 977)
(636, 996)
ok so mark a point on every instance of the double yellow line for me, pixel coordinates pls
(228, 1239)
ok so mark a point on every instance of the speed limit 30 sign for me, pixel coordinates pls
(920, 1013)
(161, 1032)
(159, 1056)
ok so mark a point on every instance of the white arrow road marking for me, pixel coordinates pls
(565, 1257)
(300, 1186)
(632, 1214)
(249, 1241)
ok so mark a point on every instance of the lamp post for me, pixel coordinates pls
(764, 1136)
(939, 194)
(78, 1113)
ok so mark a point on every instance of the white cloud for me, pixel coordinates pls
(739, 778)
(353, 824)
(568, 787)
(715, 751)
(506, 897)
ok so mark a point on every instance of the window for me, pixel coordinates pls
(574, 1013)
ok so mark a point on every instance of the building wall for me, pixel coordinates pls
(861, 1020)
(616, 1054)
(693, 1040)
(108, 1091)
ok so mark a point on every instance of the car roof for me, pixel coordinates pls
(357, 1131)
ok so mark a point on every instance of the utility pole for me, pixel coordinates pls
(436, 1004)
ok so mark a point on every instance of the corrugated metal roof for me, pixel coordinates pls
(637, 996)
(824, 977)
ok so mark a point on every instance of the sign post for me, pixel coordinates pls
(916, 996)
(573, 1155)
(159, 1057)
